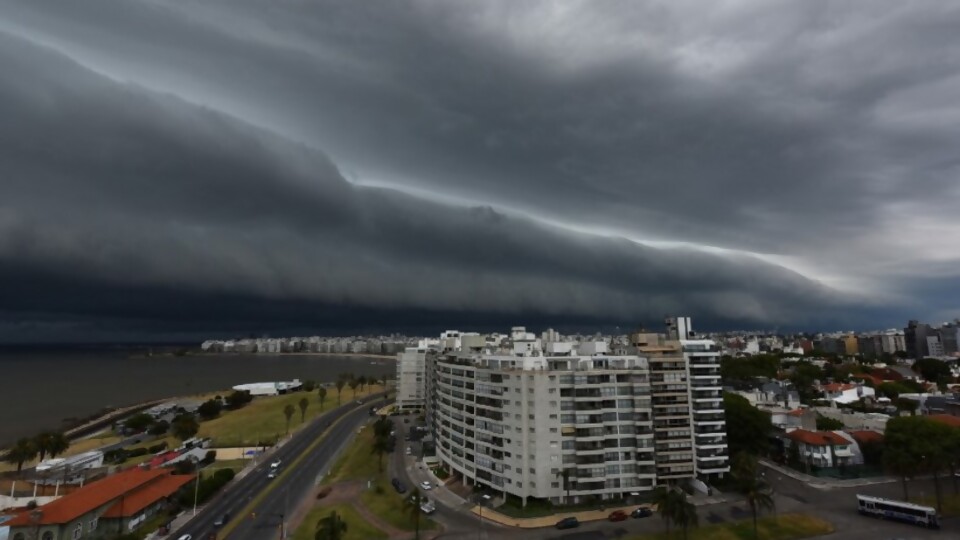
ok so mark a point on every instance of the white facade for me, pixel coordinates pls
(519, 418)
(411, 378)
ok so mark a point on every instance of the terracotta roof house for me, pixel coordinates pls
(947, 419)
(118, 503)
(822, 448)
(866, 436)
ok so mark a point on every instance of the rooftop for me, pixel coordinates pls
(817, 438)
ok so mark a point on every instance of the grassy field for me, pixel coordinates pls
(358, 463)
(357, 527)
(263, 418)
(784, 527)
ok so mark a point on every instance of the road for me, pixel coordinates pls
(288, 490)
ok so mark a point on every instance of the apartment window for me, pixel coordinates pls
(533, 471)
(78, 531)
(553, 416)
(553, 377)
(553, 430)
(555, 485)
(553, 403)
(553, 457)
(552, 390)
(519, 484)
(93, 525)
(531, 417)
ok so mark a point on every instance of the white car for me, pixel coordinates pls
(275, 464)
(427, 507)
(185, 537)
(426, 485)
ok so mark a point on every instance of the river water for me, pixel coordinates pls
(40, 388)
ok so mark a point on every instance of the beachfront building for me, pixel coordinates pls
(411, 378)
(115, 505)
(568, 421)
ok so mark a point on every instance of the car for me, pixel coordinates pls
(568, 523)
(272, 474)
(428, 507)
(222, 520)
(426, 485)
(617, 515)
(276, 464)
(641, 513)
(185, 537)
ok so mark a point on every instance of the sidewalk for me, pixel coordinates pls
(825, 483)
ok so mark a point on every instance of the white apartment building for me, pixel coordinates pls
(570, 422)
(411, 378)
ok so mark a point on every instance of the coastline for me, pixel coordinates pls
(202, 353)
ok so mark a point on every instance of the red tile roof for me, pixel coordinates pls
(797, 412)
(147, 495)
(866, 436)
(946, 419)
(816, 438)
(92, 496)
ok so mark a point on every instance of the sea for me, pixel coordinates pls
(41, 388)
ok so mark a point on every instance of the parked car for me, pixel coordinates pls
(426, 485)
(427, 507)
(641, 513)
(398, 486)
(568, 523)
(617, 515)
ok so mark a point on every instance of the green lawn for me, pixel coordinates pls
(357, 527)
(358, 463)
(783, 527)
(263, 418)
(77, 447)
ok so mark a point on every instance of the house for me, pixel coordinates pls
(846, 392)
(822, 448)
(118, 503)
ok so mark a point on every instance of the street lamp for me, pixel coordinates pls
(482, 499)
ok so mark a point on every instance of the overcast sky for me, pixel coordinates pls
(172, 169)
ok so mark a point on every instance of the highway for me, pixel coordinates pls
(289, 488)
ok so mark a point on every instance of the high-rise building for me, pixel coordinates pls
(411, 378)
(915, 338)
(566, 421)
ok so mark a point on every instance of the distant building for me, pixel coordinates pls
(411, 379)
(915, 337)
(822, 448)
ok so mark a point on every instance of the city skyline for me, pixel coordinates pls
(174, 171)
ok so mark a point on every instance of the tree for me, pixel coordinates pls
(761, 365)
(159, 428)
(354, 383)
(309, 385)
(383, 381)
(288, 413)
(210, 409)
(747, 426)
(23, 451)
(138, 422)
(341, 382)
(825, 423)
(380, 447)
(331, 527)
(322, 395)
(412, 506)
(932, 369)
(362, 380)
(57, 444)
(303, 404)
(238, 398)
(42, 443)
(675, 509)
(184, 426)
(754, 491)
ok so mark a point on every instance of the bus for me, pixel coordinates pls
(901, 511)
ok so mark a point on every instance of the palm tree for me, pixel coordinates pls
(664, 501)
(380, 447)
(58, 444)
(685, 513)
(21, 452)
(354, 383)
(304, 403)
(288, 412)
(322, 394)
(412, 506)
(332, 527)
(756, 493)
(382, 427)
(363, 382)
(42, 443)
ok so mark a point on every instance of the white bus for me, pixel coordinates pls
(901, 511)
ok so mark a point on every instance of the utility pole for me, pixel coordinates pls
(196, 493)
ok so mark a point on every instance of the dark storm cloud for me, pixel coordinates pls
(812, 130)
(142, 191)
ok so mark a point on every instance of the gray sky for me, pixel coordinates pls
(754, 164)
